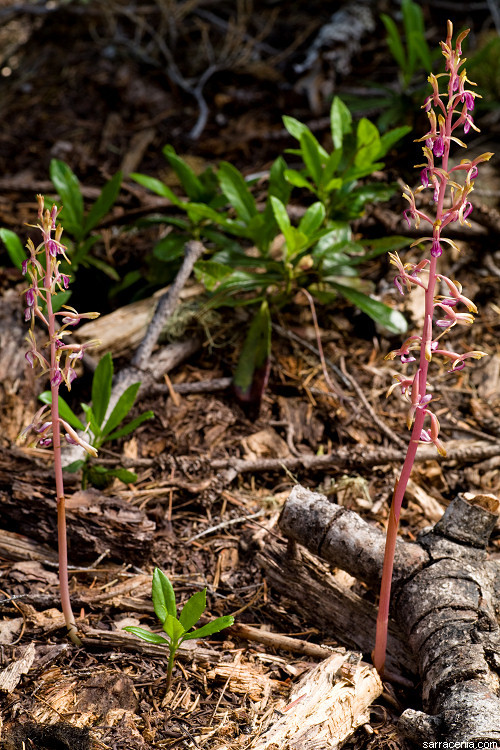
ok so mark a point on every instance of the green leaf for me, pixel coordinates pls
(295, 127)
(14, 246)
(157, 186)
(173, 628)
(170, 247)
(210, 628)
(65, 412)
(236, 191)
(312, 156)
(101, 265)
(283, 221)
(256, 350)
(192, 185)
(74, 466)
(124, 475)
(340, 121)
(131, 426)
(390, 319)
(390, 138)
(367, 143)
(121, 408)
(210, 273)
(278, 184)
(312, 219)
(331, 167)
(108, 196)
(163, 596)
(101, 387)
(394, 42)
(298, 180)
(67, 185)
(193, 609)
(82, 249)
(146, 635)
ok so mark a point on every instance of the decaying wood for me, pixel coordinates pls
(352, 457)
(96, 523)
(325, 707)
(10, 676)
(315, 593)
(445, 602)
(284, 642)
(17, 547)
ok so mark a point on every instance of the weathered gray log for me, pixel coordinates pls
(444, 601)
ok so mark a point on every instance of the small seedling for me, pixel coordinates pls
(177, 629)
(101, 430)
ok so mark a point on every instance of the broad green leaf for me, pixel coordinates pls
(157, 186)
(67, 185)
(163, 596)
(121, 408)
(278, 184)
(367, 143)
(295, 127)
(193, 609)
(390, 138)
(210, 628)
(74, 466)
(173, 628)
(413, 20)
(14, 246)
(256, 350)
(108, 196)
(130, 426)
(192, 185)
(283, 221)
(312, 156)
(65, 412)
(394, 42)
(390, 319)
(236, 191)
(170, 247)
(146, 635)
(101, 387)
(331, 166)
(334, 184)
(312, 219)
(82, 248)
(101, 265)
(211, 273)
(340, 121)
(124, 475)
(298, 180)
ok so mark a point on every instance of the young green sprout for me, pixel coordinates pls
(178, 629)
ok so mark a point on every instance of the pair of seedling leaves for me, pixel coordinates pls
(178, 629)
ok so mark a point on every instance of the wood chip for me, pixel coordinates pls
(11, 675)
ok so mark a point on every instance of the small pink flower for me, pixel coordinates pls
(438, 147)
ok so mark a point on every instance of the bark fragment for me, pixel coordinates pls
(444, 601)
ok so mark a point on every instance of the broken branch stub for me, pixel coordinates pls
(445, 602)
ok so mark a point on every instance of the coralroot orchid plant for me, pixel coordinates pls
(449, 112)
(59, 363)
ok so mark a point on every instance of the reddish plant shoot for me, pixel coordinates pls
(46, 280)
(449, 108)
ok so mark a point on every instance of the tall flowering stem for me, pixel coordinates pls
(449, 111)
(45, 280)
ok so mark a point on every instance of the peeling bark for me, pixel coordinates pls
(444, 602)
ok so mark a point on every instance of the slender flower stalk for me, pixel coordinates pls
(448, 111)
(45, 430)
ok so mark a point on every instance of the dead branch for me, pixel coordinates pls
(445, 603)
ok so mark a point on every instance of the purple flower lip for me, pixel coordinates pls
(438, 148)
(436, 249)
(25, 267)
(469, 100)
(57, 378)
(30, 297)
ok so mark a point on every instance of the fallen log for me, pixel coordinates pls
(445, 604)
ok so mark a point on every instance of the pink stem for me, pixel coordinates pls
(58, 473)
